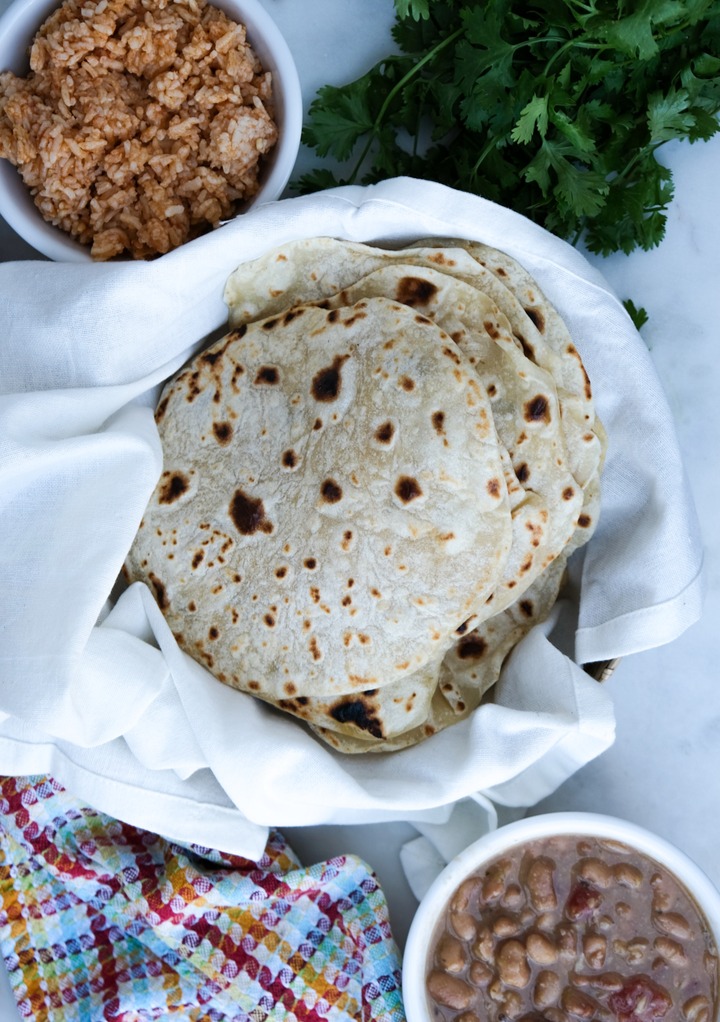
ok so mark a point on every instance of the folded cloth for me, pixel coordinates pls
(100, 920)
(96, 691)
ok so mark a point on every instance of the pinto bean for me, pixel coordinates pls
(450, 991)
(578, 1004)
(506, 926)
(480, 974)
(596, 872)
(513, 968)
(465, 893)
(451, 954)
(697, 1009)
(494, 882)
(541, 949)
(546, 990)
(464, 925)
(672, 924)
(594, 949)
(484, 946)
(627, 875)
(540, 884)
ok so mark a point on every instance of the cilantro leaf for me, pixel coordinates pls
(417, 9)
(639, 316)
(533, 115)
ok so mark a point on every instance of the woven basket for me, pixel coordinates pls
(601, 669)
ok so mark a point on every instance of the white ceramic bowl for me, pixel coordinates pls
(501, 841)
(17, 28)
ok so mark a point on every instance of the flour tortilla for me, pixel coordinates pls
(466, 673)
(544, 336)
(312, 269)
(333, 503)
(545, 497)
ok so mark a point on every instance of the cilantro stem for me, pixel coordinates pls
(486, 150)
(430, 55)
(569, 45)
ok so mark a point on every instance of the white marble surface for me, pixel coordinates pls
(664, 768)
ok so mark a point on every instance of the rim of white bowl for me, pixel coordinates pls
(18, 26)
(510, 836)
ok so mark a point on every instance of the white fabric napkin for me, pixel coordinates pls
(95, 690)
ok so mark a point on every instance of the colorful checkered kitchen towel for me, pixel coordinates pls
(102, 921)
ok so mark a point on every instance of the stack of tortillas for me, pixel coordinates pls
(372, 484)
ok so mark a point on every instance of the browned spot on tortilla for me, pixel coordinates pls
(281, 572)
(537, 409)
(223, 432)
(461, 629)
(584, 521)
(568, 493)
(346, 601)
(270, 324)
(492, 390)
(161, 596)
(292, 314)
(414, 291)
(289, 458)
(493, 487)
(267, 375)
(407, 488)
(491, 329)
(423, 320)
(254, 686)
(314, 594)
(238, 371)
(310, 563)
(333, 316)
(213, 633)
(248, 514)
(290, 688)
(350, 583)
(327, 383)
(588, 388)
(472, 647)
(527, 348)
(500, 271)
(522, 472)
(192, 606)
(407, 383)
(314, 649)
(347, 539)
(161, 409)
(361, 712)
(452, 355)
(526, 607)
(526, 565)
(173, 488)
(317, 424)
(438, 421)
(384, 433)
(331, 492)
(537, 317)
(269, 620)
(197, 558)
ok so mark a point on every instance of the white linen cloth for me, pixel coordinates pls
(95, 690)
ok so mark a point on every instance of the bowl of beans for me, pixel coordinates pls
(129, 127)
(566, 917)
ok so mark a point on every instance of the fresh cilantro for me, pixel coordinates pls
(638, 316)
(555, 108)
